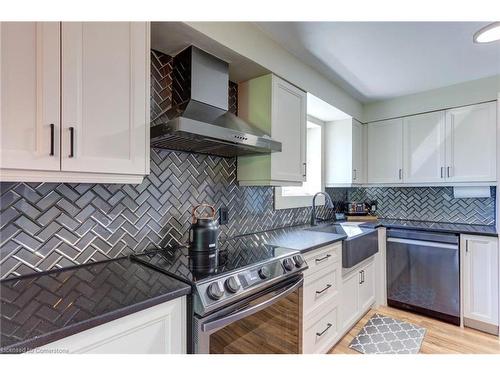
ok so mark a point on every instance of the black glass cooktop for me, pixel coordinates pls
(192, 267)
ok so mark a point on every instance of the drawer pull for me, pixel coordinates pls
(328, 286)
(319, 334)
(323, 258)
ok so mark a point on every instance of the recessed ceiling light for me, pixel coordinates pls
(489, 33)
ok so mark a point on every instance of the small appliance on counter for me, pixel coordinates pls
(357, 208)
(204, 231)
(360, 208)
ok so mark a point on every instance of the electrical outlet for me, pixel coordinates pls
(223, 215)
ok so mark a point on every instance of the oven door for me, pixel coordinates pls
(268, 323)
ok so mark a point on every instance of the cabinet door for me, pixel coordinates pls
(358, 153)
(29, 95)
(385, 151)
(339, 166)
(160, 329)
(105, 97)
(480, 279)
(471, 143)
(350, 300)
(289, 127)
(367, 287)
(424, 148)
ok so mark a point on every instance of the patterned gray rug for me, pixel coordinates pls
(384, 335)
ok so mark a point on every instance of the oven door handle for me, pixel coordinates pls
(224, 321)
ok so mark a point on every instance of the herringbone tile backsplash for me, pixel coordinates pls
(48, 225)
(423, 203)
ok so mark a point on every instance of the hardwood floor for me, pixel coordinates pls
(440, 338)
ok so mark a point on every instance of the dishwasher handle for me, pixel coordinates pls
(424, 243)
(431, 236)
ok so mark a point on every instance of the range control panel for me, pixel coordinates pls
(216, 293)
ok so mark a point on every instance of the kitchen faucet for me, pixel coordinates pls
(328, 204)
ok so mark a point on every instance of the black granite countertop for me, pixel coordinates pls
(300, 238)
(42, 308)
(482, 230)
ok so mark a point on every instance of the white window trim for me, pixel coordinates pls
(282, 202)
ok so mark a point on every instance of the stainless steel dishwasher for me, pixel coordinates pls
(423, 273)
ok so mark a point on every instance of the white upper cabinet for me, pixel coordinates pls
(75, 101)
(105, 106)
(385, 151)
(279, 109)
(424, 148)
(471, 143)
(358, 152)
(345, 156)
(29, 95)
(452, 146)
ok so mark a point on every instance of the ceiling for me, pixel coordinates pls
(382, 60)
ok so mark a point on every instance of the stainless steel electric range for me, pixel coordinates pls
(246, 298)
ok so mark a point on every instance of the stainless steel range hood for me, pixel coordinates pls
(199, 120)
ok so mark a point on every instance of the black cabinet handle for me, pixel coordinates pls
(328, 286)
(323, 258)
(319, 334)
(360, 277)
(71, 142)
(52, 139)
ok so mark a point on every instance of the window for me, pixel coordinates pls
(301, 196)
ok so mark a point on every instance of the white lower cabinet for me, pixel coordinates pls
(323, 332)
(350, 300)
(358, 293)
(321, 299)
(159, 329)
(480, 282)
(332, 304)
(367, 286)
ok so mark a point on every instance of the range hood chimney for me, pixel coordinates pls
(199, 120)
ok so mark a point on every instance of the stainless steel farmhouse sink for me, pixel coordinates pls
(360, 244)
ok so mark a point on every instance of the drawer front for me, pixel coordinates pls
(322, 334)
(321, 287)
(322, 258)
